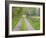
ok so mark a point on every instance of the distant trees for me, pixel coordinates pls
(16, 11)
(30, 11)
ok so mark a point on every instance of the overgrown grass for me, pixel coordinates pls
(14, 22)
(35, 22)
(23, 27)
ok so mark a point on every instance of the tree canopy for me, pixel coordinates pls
(18, 11)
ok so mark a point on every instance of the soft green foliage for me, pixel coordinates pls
(16, 11)
(35, 22)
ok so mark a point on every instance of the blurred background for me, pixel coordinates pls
(31, 14)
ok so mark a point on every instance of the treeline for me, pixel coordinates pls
(29, 11)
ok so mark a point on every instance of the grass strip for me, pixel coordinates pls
(23, 27)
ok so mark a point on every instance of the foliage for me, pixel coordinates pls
(35, 22)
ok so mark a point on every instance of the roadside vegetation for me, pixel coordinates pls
(35, 22)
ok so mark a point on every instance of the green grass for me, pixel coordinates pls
(14, 22)
(23, 27)
(35, 23)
